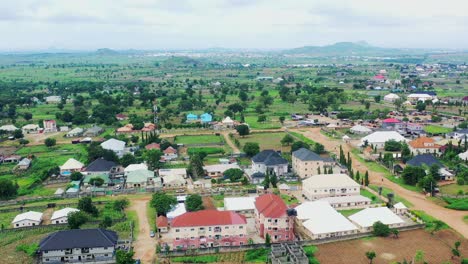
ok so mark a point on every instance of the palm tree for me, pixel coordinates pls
(370, 256)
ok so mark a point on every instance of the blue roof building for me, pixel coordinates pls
(192, 117)
(206, 118)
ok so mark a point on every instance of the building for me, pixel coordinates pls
(320, 220)
(8, 128)
(128, 128)
(459, 134)
(414, 98)
(360, 130)
(141, 179)
(392, 123)
(117, 146)
(208, 228)
(30, 129)
(191, 118)
(162, 224)
(79, 245)
(76, 132)
(270, 161)
(306, 163)
(400, 209)
(104, 177)
(53, 99)
(61, 216)
(173, 178)
(93, 131)
(329, 185)
(206, 118)
(366, 218)
(217, 170)
(121, 117)
(99, 166)
(379, 138)
(424, 160)
(178, 210)
(228, 122)
(49, 126)
(272, 218)
(24, 164)
(414, 128)
(134, 167)
(153, 146)
(70, 166)
(391, 97)
(170, 153)
(241, 205)
(348, 202)
(424, 145)
(463, 156)
(29, 218)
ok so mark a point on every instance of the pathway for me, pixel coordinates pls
(144, 246)
(228, 140)
(452, 217)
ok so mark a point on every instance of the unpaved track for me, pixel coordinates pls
(228, 140)
(452, 217)
(144, 246)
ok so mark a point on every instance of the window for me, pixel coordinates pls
(241, 227)
(105, 255)
(269, 220)
(269, 228)
(192, 238)
(192, 229)
(177, 238)
(287, 220)
(226, 236)
(177, 230)
(287, 236)
(105, 248)
(241, 235)
(287, 228)
(227, 227)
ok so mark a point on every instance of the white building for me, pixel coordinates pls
(348, 202)
(242, 205)
(71, 165)
(30, 129)
(117, 146)
(380, 137)
(27, 219)
(391, 97)
(173, 178)
(269, 161)
(178, 209)
(8, 128)
(366, 218)
(361, 130)
(400, 208)
(76, 132)
(320, 220)
(61, 216)
(413, 98)
(329, 185)
(135, 167)
(217, 170)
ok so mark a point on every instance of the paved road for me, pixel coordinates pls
(452, 217)
(144, 246)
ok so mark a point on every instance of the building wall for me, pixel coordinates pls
(278, 169)
(279, 229)
(417, 151)
(208, 236)
(308, 168)
(98, 254)
(351, 205)
(316, 193)
(26, 222)
(61, 220)
(370, 228)
(332, 234)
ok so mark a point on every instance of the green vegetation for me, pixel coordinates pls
(432, 129)
(431, 222)
(375, 199)
(289, 199)
(265, 141)
(453, 189)
(29, 249)
(386, 191)
(457, 203)
(202, 139)
(196, 259)
(349, 212)
(206, 150)
(257, 255)
(310, 253)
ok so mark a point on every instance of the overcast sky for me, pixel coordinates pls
(264, 24)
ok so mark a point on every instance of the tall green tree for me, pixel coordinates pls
(251, 149)
(194, 202)
(162, 202)
(76, 219)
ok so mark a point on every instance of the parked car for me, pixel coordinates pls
(152, 233)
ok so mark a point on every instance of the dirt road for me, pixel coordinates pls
(144, 246)
(452, 217)
(228, 140)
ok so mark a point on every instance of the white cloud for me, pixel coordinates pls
(147, 24)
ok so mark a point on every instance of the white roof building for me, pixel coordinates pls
(227, 121)
(352, 201)
(321, 220)
(219, 168)
(62, 215)
(115, 145)
(464, 155)
(135, 167)
(27, 219)
(240, 204)
(30, 127)
(380, 137)
(179, 209)
(391, 97)
(400, 205)
(9, 128)
(358, 129)
(326, 185)
(168, 172)
(71, 164)
(367, 217)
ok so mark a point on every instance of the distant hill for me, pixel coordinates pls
(343, 49)
(106, 51)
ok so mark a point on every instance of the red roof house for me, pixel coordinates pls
(162, 224)
(121, 117)
(271, 218)
(208, 218)
(153, 146)
(391, 121)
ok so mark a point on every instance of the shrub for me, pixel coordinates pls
(380, 229)
(29, 249)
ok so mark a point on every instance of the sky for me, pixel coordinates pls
(256, 24)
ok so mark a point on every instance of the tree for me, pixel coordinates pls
(420, 106)
(405, 152)
(163, 203)
(319, 148)
(251, 149)
(234, 174)
(412, 175)
(380, 229)
(370, 256)
(120, 204)
(50, 142)
(266, 181)
(85, 204)
(366, 178)
(8, 189)
(267, 239)
(124, 257)
(357, 177)
(27, 116)
(127, 159)
(76, 176)
(18, 133)
(152, 158)
(261, 118)
(243, 130)
(395, 232)
(281, 119)
(23, 142)
(392, 145)
(377, 98)
(106, 222)
(436, 226)
(96, 181)
(287, 140)
(76, 219)
(298, 145)
(194, 202)
(273, 180)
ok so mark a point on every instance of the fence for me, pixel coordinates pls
(43, 207)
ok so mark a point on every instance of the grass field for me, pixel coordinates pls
(202, 139)
(432, 129)
(207, 150)
(374, 198)
(289, 199)
(349, 212)
(386, 191)
(265, 140)
(453, 189)
(271, 123)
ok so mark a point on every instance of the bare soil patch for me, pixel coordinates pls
(208, 203)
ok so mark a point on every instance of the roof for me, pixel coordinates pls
(360, 128)
(153, 146)
(391, 96)
(139, 176)
(100, 165)
(269, 157)
(76, 130)
(368, 216)
(423, 159)
(345, 199)
(227, 120)
(464, 155)
(79, 238)
(30, 215)
(220, 167)
(208, 218)
(63, 213)
(177, 210)
(382, 136)
(168, 172)
(307, 155)
(30, 127)
(271, 206)
(206, 117)
(24, 162)
(113, 144)
(72, 164)
(416, 95)
(105, 177)
(329, 180)
(94, 129)
(8, 128)
(400, 205)
(391, 121)
(284, 186)
(170, 150)
(424, 142)
(173, 178)
(192, 116)
(239, 203)
(161, 221)
(59, 191)
(134, 167)
(321, 218)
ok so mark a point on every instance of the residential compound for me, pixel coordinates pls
(269, 161)
(329, 185)
(272, 218)
(423, 145)
(208, 228)
(307, 163)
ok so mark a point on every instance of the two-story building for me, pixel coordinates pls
(306, 163)
(423, 145)
(272, 219)
(329, 185)
(269, 161)
(79, 245)
(208, 228)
